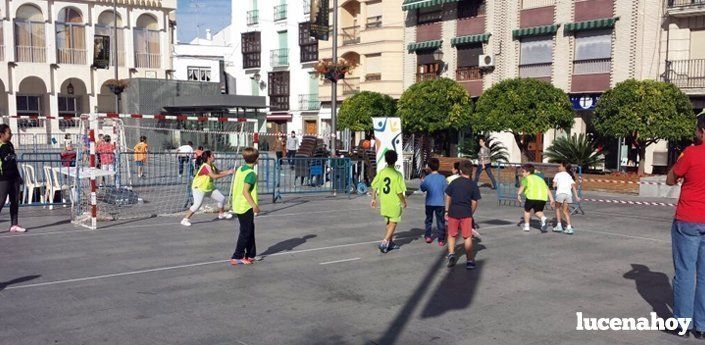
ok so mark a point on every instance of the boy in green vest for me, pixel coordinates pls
(245, 206)
(389, 185)
(537, 193)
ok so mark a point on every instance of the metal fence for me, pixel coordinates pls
(313, 175)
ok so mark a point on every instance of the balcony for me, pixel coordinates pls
(373, 22)
(309, 102)
(29, 122)
(468, 73)
(686, 74)
(279, 57)
(351, 86)
(71, 56)
(307, 6)
(147, 60)
(279, 103)
(685, 8)
(350, 35)
(253, 17)
(538, 71)
(593, 66)
(426, 76)
(373, 77)
(30, 54)
(280, 12)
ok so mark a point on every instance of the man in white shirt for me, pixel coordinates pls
(292, 144)
(184, 152)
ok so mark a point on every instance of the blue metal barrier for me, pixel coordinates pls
(313, 175)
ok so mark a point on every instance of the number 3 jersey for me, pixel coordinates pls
(389, 183)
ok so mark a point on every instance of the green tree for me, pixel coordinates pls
(356, 112)
(523, 107)
(434, 105)
(578, 150)
(644, 111)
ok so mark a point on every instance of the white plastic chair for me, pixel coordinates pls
(56, 186)
(31, 183)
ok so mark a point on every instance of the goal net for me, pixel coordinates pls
(118, 179)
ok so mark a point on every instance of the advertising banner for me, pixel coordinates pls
(320, 25)
(387, 132)
(101, 51)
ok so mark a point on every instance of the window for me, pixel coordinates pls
(593, 52)
(30, 39)
(251, 49)
(67, 105)
(28, 106)
(536, 57)
(279, 91)
(199, 73)
(427, 67)
(468, 62)
(70, 37)
(146, 42)
(471, 8)
(308, 44)
(373, 66)
(374, 15)
(428, 15)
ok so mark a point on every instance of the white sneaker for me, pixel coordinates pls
(226, 215)
(527, 228)
(17, 228)
(569, 230)
(185, 222)
(558, 228)
(544, 224)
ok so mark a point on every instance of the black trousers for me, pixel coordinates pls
(245, 246)
(12, 189)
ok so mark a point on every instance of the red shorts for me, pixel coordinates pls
(464, 224)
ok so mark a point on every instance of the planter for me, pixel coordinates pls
(335, 74)
(116, 89)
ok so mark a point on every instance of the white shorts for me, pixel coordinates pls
(564, 198)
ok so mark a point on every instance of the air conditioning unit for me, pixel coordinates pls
(486, 61)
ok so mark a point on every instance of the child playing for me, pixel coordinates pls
(434, 185)
(141, 155)
(245, 206)
(537, 193)
(203, 186)
(565, 188)
(389, 184)
(456, 172)
(106, 152)
(460, 205)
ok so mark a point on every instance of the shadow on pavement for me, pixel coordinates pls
(19, 280)
(455, 292)
(286, 245)
(654, 288)
(406, 237)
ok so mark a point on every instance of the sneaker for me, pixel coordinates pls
(185, 222)
(452, 260)
(569, 230)
(243, 261)
(441, 243)
(383, 247)
(544, 226)
(256, 258)
(558, 228)
(476, 235)
(428, 239)
(17, 228)
(226, 215)
(527, 228)
(470, 265)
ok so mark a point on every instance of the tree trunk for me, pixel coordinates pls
(642, 159)
(523, 143)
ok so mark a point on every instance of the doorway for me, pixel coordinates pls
(311, 127)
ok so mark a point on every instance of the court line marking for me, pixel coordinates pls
(338, 261)
(627, 236)
(168, 268)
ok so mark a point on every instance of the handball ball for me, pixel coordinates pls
(366, 144)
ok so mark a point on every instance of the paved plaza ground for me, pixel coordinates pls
(322, 280)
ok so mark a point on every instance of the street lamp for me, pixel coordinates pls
(69, 88)
(438, 55)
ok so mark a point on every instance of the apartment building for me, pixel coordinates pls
(203, 58)
(582, 46)
(370, 34)
(46, 55)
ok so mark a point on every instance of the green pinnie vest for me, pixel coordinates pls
(240, 204)
(203, 183)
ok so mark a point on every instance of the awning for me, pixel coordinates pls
(481, 38)
(424, 45)
(279, 117)
(536, 31)
(416, 4)
(591, 24)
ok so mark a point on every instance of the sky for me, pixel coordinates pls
(209, 14)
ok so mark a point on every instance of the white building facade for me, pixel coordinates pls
(46, 56)
(274, 56)
(203, 59)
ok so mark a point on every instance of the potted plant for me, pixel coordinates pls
(117, 86)
(334, 71)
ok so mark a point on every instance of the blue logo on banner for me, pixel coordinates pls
(584, 101)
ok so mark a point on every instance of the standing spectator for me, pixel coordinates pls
(184, 152)
(106, 152)
(279, 147)
(97, 144)
(292, 144)
(484, 158)
(688, 233)
(10, 179)
(435, 185)
(197, 154)
(141, 155)
(68, 156)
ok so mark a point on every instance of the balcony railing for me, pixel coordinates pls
(147, 60)
(71, 56)
(539, 70)
(279, 103)
(350, 35)
(686, 74)
(280, 12)
(373, 77)
(426, 76)
(279, 57)
(31, 54)
(468, 73)
(252, 17)
(29, 122)
(351, 86)
(309, 102)
(594, 66)
(373, 22)
(686, 3)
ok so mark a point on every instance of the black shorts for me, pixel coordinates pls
(536, 205)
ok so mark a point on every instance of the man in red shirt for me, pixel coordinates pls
(688, 233)
(106, 152)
